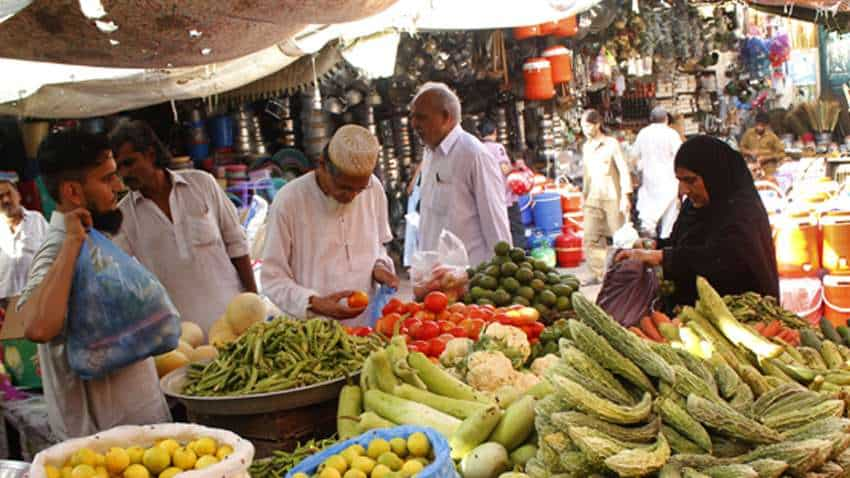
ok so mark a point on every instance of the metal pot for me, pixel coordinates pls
(353, 97)
(333, 105)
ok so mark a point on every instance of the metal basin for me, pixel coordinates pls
(13, 468)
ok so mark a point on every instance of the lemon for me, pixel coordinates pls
(100, 472)
(205, 461)
(337, 462)
(411, 468)
(184, 458)
(377, 447)
(99, 460)
(136, 453)
(205, 446)
(223, 452)
(169, 445)
(84, 456)
(399, 447)
(357, 448)
(330, 473)
(350, 454)
(170, 472)
(364, 464)
(66, 471)
(391, 460)
(354, 474)
(418, 444)
(83, 471)
(52, 472)
(380, 471)
(117, 460)
(156, 459)
(300, 475)
(136, 471)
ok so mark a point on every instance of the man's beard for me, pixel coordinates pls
(108, 222)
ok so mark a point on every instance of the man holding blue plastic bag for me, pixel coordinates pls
(80, 174)
(326, 233)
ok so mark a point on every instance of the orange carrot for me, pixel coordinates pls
(659, 318)
(638, 332)
(760, 327)
(786, 336)
(650, 330)
(772, 328)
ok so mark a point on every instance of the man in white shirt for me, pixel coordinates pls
(463, 190)
(655, 148)
(21, 234)
(80, 174)
(181, 226)
(326, 233)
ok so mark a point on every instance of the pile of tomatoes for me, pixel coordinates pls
(429, 325)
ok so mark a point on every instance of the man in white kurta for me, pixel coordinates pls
(21, 233)
(463, 189)
(655, 148)
(326, 233)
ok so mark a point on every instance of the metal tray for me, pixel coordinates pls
(173, 383)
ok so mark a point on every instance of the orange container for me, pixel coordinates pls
(836, 299)
(797, 242)
(537, 73)
(836, 243)
(574, 221)
(571, 201)
(531, 31)
(567, 27)
(562, 64)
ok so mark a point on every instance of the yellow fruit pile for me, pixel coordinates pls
(381, 459)
(163, 460)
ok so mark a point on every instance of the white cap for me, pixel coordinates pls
(354, 150)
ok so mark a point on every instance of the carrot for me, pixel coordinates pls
(638, 332)
(659, 318)
(795, 337)
(760, 327)
(786, 336)
(650, 330)
(772, 328)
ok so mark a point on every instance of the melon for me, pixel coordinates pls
(245, 310)
(191, 333)
(204, 352)
(221, 333)
(184, 348)
(168, 362)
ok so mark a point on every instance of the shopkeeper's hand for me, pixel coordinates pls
(335, 306)
(650, 258)
(383, 275)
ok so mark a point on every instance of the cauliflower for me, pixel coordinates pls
(525, 380)
(540, 365)
(509, 340)
(488, 371)
(455, 352)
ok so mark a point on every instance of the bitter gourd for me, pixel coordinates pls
(678, 418)
(588, 402)
(640, 461)
(722, 417)
(641, 434)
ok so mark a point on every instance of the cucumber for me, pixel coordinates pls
(844, 332)
(516, 424)
(808, 338)
(454, 407)
(474, 431)
(441, 382)
(829, 331)
(350, 406)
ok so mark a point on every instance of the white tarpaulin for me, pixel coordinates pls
(62, 91)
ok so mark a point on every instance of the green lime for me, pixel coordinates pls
(499, 260)
(489, 282)
(502, 248)
(548, 298)
(552, 278)
(509, 269)
(510, 284)
(470, 272)
(540, 275)
(477, 293)
(493, 271)
(467, 298)
(538, 285)
(485, 302)
(541, 266)
(542, 308)
(564, 304)
(501, 298)
(562, 290)
(475, 279)
(524, 276)
(519, 300)
(526, 292)
(517, 254)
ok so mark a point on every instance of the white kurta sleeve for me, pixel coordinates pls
(234, 237)
(384, 233)
(276, 276)
(489, 190)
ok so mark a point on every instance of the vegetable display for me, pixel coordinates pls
(281, 461)
(281, 355)
(626, 406)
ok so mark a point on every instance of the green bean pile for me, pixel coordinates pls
(281, 462)
(752, 307)
(281, 355)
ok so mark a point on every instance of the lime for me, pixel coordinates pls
(336, 462)
(562, 290)
(541, 266)
(524, 275)
(364, 464)
(548, 298)
(380, 471)
(390, 460)
(510, 284)
(501, 298)
(526, 292)
(156, 459)
(490, 283)
(509, 269)
(205, 461)
(170, 472)
(499, 260)
(418, 445)
(538, 285)
(135, 453)
(184, 458)
(517, 254)
(485, 302)
(399, 446)
(354, 474)
(563, 304)
(493, 271)
(117, 460)
(329, 473)
(521, 301)
(502, 248)
(552, 278)
(377, 447)
(83, 471)
(136, 471)
(411, 468)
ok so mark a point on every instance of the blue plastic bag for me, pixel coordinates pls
(377, 303)
(441, 467)
(118, 312)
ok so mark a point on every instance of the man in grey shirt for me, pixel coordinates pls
(80, 174)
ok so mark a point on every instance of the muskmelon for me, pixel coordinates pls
(168, 362)
(245, 310)
(184, 348)
(221, 333)
(204, 352)
(191, 333)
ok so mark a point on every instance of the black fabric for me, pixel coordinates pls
(728, 241)
(517, 227)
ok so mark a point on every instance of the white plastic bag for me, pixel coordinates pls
(443, 270)
(626, 237)
(234, 466)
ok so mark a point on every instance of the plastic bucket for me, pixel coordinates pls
(797, 242)
(199, 151)
(803, 296)
(836, 243)
(548, 215)
(525, 204)
(221, 132)
(19, 358)
(836, 299)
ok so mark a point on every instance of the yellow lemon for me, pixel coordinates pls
(170, 472)
(381, 471)
(330, 473)
(117, 460)
(136, 453)
(418, 444)
(99, 460)
(399, 446)
(354, 474)
(52, 472)
(411, 468)
(156, 459)
(100, 472)
(205, 446)
(205, 461)
(300, 475)
(223, 452)
(66, 471)
(136, 471)
(84, 456)
(184, 458)
(377, 448)
(169, 445)
(337, 462)
(83, 471)
(364, 464)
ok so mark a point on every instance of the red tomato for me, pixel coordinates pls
(361, 331)
(444, 315)
(412, 308)
(445, 325)
(489, 307)
(348, 330)
(457, 308)
(358, 300)
(536, 329)
(458, 332)
(389, 322)
(534, 341)
(437, 345)
(419, 346)
(423, 315)
(427, 330)
(477, 326)
(456, 318)
(436, 302)
(503, 319)
(411, 326)
(393, 306)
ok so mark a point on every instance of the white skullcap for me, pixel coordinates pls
(354, 150)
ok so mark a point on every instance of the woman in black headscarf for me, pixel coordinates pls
(722, 232)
